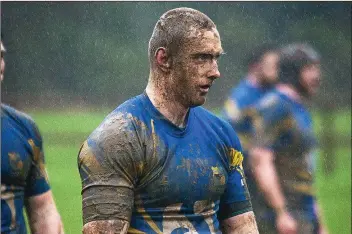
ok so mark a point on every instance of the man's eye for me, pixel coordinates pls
(204, 57)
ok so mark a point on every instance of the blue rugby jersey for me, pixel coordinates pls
(285, 126)
(243, 96)
(22, 167)
(138, 166)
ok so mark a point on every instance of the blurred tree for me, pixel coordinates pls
(64, 54)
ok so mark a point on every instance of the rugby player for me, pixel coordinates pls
(160, 163)
(282, 154)
(24, 181)
(261, 77)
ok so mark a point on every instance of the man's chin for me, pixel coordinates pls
(200, 101)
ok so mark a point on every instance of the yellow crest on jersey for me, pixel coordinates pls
(235, 158)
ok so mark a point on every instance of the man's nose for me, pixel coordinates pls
(214, 73)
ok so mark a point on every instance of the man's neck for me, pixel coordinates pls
(166, 103)
(253, 80)
(291, 92)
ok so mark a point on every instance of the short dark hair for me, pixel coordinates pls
(293, 58)
(174, 26)
(256, 54)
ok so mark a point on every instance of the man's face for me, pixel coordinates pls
(2, 61)
(195, 67)
(310, 78)
(269, 68)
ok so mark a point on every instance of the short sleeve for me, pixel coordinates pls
(270, 119)
(236, 199)
(237, 112)
(37, 179)
(109, 163)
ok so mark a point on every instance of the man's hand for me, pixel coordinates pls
(285, 223)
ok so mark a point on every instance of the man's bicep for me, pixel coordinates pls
(241, 224)
(106, 226)
(107, 186)
(106, 203)
(39, 204)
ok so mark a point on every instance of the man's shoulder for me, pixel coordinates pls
(210, 116)
(214, 121)
(273, 106)
(241, 88)
(245, 94)
(122, 121)
(133, 105)
(22, 120)
(16, 114)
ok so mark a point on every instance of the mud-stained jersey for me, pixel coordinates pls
(22, 167)
(236, 106)
(138, 166)
(285, 126)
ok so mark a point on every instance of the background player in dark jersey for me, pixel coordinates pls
(282, 154)
(24, 181)
(159, 163)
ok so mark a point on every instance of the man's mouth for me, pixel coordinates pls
(204, 88)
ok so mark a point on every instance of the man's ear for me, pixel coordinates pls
(163, 59)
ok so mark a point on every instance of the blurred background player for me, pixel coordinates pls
(261, 77)
(160, 163)
(24, 181)
(282, 154)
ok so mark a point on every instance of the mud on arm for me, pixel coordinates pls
(107, 164)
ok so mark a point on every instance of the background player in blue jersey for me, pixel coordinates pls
(24, 181)
(159, 163)
(262, 75)
(282, 154)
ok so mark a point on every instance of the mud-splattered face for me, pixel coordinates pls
(195, 67)
(310, 79)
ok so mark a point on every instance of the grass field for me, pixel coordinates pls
(63, 133)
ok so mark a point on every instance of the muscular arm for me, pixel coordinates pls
(108, 165)
(42, 214)
(240, 224)
(106, 227)
(262, 165)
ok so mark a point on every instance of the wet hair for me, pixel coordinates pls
(174, 26)
(293, 58)
(256, 54)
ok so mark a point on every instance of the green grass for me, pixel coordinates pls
(63, 133)
(334, 192)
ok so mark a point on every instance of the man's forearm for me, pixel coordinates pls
(264, 171)
(240, 224)
(106, 227)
